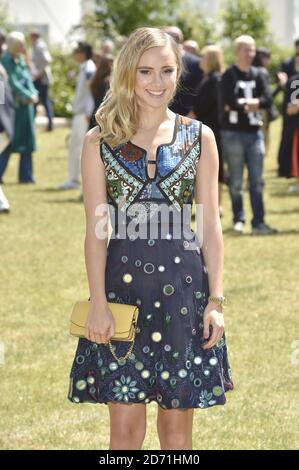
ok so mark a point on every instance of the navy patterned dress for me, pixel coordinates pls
(166, 277)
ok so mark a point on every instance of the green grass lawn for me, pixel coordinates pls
(42, 273)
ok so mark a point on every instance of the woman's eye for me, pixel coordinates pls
(146, 72)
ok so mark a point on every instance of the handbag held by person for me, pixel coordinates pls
(125, 318)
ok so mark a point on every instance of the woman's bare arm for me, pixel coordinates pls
(210, 234)
(206, 195)
(100, 324)
(94, 196)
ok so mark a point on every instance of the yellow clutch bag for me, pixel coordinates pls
(125, 318)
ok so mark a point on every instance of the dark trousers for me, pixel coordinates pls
(25, 166)
(43, 91)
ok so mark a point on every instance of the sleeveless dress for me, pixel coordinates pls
(165, 276)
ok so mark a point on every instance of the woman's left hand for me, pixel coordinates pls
(213, 317)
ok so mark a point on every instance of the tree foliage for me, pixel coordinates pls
(246, 17)
(123, 17)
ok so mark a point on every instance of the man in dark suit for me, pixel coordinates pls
(184, 97)
(291, 66)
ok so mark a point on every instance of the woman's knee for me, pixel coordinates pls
(175, 429)
(174, 439)
(129, 431)
(127, 426)
(127, 437)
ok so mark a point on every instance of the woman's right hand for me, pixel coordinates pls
(34, 99)
(100, 326)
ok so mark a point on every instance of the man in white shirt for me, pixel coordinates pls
(83, 106)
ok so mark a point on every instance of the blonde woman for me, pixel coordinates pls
(149, 157)
(207, 103)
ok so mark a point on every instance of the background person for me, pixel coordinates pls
(207, 105)
(25, 96)
(41, 60)
(245, 91)
(83, 106)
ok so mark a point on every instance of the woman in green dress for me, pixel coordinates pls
(25, 95)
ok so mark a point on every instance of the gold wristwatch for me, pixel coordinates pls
(221, 300)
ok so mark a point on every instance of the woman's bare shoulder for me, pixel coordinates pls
(207, 133)
(93, 134)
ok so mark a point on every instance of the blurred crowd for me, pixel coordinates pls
(236, 102)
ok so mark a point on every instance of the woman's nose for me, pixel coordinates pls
(157, 80)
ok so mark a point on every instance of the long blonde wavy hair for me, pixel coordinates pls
(117, 115)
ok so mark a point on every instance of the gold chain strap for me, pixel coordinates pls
(125, 357)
